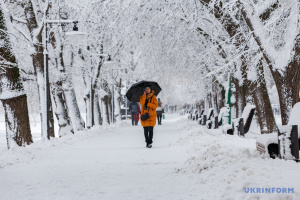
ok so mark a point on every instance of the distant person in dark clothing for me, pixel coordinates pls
(159, 111)
(138, 116)
(134, 110)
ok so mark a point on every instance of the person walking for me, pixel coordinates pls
(148, 105)
(134, 110)
(159, 111)
(138, 116)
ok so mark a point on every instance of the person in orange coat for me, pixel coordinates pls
(148, 104)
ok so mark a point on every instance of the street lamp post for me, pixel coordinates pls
(47, 90)
(74, 34)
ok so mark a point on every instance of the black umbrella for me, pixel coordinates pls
(137, 89)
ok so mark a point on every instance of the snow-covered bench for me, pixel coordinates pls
(268, 143)
(241, 126)
(220, 116)
(200, 118)
(210, 120)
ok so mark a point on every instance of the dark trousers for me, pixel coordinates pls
(159, 116)
(134, 118)
(148, 132)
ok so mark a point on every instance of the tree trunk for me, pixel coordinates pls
(262, 102)
(73, 110)
(108, 103)
(61, 111)
(97, 120)
(107, 108)
(107, 100)
(105, 116)
(12, 92)
(235, 93)
(215, 90)
(88, 99)
(117, 101)
(67, 112)
(221, 98)
(97, 112)
(257, 93)
(287, 80)
(71, 101)
(17, 121)
(38, 61)
(51, 117)
(209, 100)
(287, 83)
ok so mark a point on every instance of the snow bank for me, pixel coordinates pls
(27, 154)
(267, 139)
(225, 164)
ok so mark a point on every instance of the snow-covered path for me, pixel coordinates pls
(114, 164)
(187, 161)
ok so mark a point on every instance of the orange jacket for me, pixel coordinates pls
(151, 109)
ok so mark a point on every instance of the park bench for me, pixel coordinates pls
(210, 120)
(285, 143)
(201, 117)
(241, 126)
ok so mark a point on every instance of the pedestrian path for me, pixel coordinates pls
(111, 164)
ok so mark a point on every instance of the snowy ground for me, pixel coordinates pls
(186, 162)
